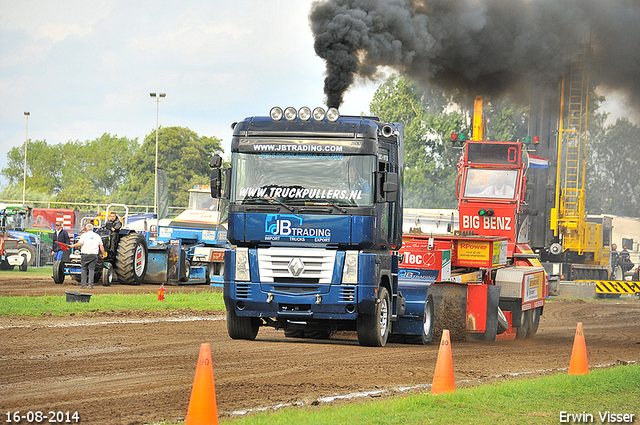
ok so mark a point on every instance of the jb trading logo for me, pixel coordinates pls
(290, 226)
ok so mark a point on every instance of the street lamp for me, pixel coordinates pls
(24, 175)
(155, 190)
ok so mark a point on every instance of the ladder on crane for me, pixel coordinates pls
(572, 134)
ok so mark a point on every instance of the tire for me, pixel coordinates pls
(503, 324)
(28, 251)
(25, 264)
(294, 333)
(131, 259)
(58, 272)
(240, 327)
(187, 266)
(317, 334)
(373, 329)
(428, 323)
(534, 321)
(523, 329)
(107, 276)
(4, 265)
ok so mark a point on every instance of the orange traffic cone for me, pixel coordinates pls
(443, 381)
(203, 409)
(579, 364)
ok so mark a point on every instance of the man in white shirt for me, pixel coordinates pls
(91, 245)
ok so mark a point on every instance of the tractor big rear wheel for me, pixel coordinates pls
(131, 259)
(28, 251)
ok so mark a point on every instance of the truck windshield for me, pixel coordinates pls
(490, 183)
(202, 201)
(303, 179)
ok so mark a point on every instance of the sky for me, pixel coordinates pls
(85, 68)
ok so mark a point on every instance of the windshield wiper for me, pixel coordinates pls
(270, 201)
(336, 206)
(278, 201)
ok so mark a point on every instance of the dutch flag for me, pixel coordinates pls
(538, 162)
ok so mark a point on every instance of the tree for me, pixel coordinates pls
(77, 171)
(181, 153)
(430, 117)
(613, 172)
(430, 171)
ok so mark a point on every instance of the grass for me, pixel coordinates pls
(529, 401)
(31, 271)
(57, 305)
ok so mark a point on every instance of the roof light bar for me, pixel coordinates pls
(276, 113)
(304, 114)
(290, 113)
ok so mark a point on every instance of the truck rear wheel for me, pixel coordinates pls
(240, 327)
(534, 321)
(428, 322)
(373, 329)
(525, 323)
(131, 259)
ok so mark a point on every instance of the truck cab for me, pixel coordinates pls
(315, 217)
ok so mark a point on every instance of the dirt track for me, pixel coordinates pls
(134, 369)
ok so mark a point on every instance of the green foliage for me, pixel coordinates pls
(181, 153)
(430, 162)
(613, 171)
(111, 168)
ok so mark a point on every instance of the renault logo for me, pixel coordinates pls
(296, 266)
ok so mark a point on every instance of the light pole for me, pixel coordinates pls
(24, 175)
(155, 187)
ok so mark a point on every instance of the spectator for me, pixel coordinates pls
(60, 236)
(625, 260)
(615, 257)
(91, 244)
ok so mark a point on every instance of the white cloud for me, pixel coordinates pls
(84, 68)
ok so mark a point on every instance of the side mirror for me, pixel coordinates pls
(390, 187)
(216, 183)
(215, 161)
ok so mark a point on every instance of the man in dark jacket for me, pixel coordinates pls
(60, 236)
(114, 224)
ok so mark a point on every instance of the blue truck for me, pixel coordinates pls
(315, 222)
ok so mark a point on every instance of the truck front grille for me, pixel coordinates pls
(296, 265)
(348, 294)
(243, 290)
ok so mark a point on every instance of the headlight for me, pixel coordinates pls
(350, 269)
(275, 113)
(304, 113)
(333, 114)
(290, 113)
(318, 114)
(242, 265)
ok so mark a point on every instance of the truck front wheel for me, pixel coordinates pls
(240, 327)
(373, 329)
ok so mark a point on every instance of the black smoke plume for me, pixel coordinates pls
(488, 47)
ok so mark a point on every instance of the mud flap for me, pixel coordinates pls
(450, 309)
(491, 329)
(451, 301)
